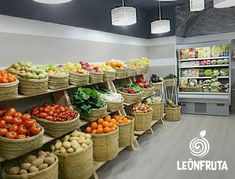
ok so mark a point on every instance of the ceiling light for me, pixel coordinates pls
(197, 5)
(123, 16)
(52, 1)
(160, 26)
(224, 3)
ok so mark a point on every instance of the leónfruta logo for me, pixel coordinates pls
(200, 147)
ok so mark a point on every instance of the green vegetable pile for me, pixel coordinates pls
(208, 72)
(86, 99)
(137, 88)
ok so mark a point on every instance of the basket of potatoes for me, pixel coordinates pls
(44, 165)
(75, 155)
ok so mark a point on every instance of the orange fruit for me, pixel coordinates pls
(107, 118)
(100, 121)
(94, 131)
(100, 126)
(88, 130)
(119, 121)
(125, 120)
(113, 121)
(111, 124)
(94, 125)
(106, 129)
(112, 129)
(105, 124)
(99, 131)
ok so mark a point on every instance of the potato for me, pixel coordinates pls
(66, 138)
(25, 166)
(75, 144)
(75, 134)
(42, 156)
(81, 141)
(50, 155)
(37, 162)
(58, 145)
(57, 151)
(43, 166)
(22, 171)
(88, 141)
(73, 138)
(33, 169)
(62, 150)
(42, 153)
(30, 159)
(49, 160)
(14, 170)
(88, 136)
(79, 149)
(66, 144)
(84, 145)
(70, 150)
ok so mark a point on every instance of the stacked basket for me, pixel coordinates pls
(173, 114)
(114, 105)
(131, 71)
(121, 72)
(96, 77)
(130, 98)
(33, 86)
(140, 70)
(126, 133)
(95, 113)
(142, 121)
(55, 82)
(158, 110)
(109, 75)
(148, 91)
(79, 79)
(8, 90)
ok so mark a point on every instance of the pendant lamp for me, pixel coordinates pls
(160, 26)
(123, 16)
(197, 5)
(224, 3)
(52, 1)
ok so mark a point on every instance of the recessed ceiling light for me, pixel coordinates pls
(197, 5)
(52, 1)
(224, 3)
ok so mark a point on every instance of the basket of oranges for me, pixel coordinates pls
(8, 86)
(119, 66)
(104, 135)
(126, 130)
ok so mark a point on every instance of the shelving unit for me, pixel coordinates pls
(61, 97)
(213, 103)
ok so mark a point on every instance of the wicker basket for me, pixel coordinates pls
(78, 165)
(170, 82)
(105, 146)
(143, 121)
(158, 86)
(58, 82)
(140, 71)
(78, 79)
(130, 98)
(8, 90)
(131, 71)
(126, 133)
(12, 148)
(121, 73)
(95, 113)
(33, 86)
(57, 129)
(173, 114)
(192, 89)
(114, 106)
(146, 69)
(96, 77)
(49, 173)
(158, 110)
(109, 75)
(148, 91)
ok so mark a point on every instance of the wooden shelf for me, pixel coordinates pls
(208, 58)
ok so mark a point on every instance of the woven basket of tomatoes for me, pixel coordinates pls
(8, 86)
(148, 88)
(57, 120)
(104, 135)
(19, 133)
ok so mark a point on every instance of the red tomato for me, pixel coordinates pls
(13, 128)
(17, 114)
(10, 111)
(21, 136)
(3, 131)
(25, 117)
(17, 121)
(49, 118)
(29, 123)
(7, 119)
(11, 135)
(22, 129)
(2, 124)
(35, 130)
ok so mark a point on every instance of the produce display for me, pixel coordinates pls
(141, 82)
(75, 68)
(14, 125)
(131, 88)
(116, 64)
(33, 164)
(154, 100)
(139, 62)
(75, 142)
(54, 112)
(141, 108)
(112, 97)
(106, 68)
(54, 70)
(6, 77)
(27, 70)
(155, 79)
(103, 125)
(90, 67)
(86, 99)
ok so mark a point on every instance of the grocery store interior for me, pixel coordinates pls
(117, 89)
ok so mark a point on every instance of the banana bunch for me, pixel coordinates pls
(76, 68)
